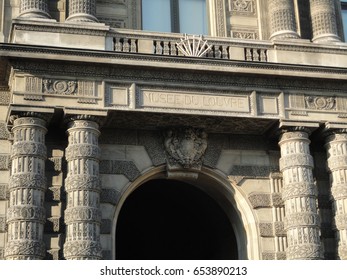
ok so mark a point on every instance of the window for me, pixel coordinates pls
(344, 17)
(179, 16)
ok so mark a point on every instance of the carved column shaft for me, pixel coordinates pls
(82, 10)
(34, 9)
(323, 18)
(26, 212)
(337, 165)
(82, 214)
(282, 19)
(300, 197)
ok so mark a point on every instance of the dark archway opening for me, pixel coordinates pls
(172, 220)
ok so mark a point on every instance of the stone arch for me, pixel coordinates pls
(229, 197)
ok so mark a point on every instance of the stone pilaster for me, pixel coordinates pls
(34, 9)
(323, 18)
(282, 19)
(337, 165)
(82, 11)
(82, 214)
(27, 186)
(300, 197)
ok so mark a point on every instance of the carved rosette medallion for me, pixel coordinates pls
(82, 184)
(336, 147)
(323, 17)
(27, 186)
(82, 10)
(34, 9)
(302, 222)
(185, 148)
(282, 19)
(62, 87)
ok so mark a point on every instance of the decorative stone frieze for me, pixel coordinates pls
(27, 186)
(282, 19)
(336, 145)
(302, 222)
(82, 11)
(82, 184)
(323, 16)
(185, 148)
(34, 9)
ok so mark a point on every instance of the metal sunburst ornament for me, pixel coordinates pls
(193, 46)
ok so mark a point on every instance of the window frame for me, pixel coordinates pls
(175, 16)
(344, 26)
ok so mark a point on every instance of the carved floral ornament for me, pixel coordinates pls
(185, 147)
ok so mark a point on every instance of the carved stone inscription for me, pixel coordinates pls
(161, 99)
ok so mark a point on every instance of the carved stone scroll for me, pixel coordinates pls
(27, 186)
(34, 9)
(82, 11)
(337, 158)
(282, 19)
(323, 16)
(83, 187)
(300, 197)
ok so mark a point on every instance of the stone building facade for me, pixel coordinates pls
(236, 140)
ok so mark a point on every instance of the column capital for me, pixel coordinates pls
(84, 117)
(333, 130)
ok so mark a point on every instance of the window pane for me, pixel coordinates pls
(156, 15)
(192, 15)
(344, 19)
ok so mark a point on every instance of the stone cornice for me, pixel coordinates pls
(16, 51)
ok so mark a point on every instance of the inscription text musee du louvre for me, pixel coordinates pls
(195, 101)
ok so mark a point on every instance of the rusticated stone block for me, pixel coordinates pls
(260, 200)
(266, 229)
(3, 191)
(281, 256)
(4, 133)
(127, 168)
(153, 142)
(106, 255)
(105, 226)
(277, 200)
(279, 229)
(4, 162)
(109, 196)
(2, 223)
(268, 255)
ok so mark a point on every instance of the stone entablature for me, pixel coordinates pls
(267, 104)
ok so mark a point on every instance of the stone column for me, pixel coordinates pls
(282, 20)
(323, 18)
(82, 214)
(27, 186)
(34, 9)
(300, 197)
(82, 11)
(337, 166)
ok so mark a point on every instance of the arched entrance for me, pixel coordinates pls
(228, 200)
(170, 219)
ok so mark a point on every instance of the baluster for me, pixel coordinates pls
(133, 45)
(117, 45)
(248, 54)
(166, 48)
(263, 57)
(255, 55)
(126, 45)
(158, 48)
(225, 54)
